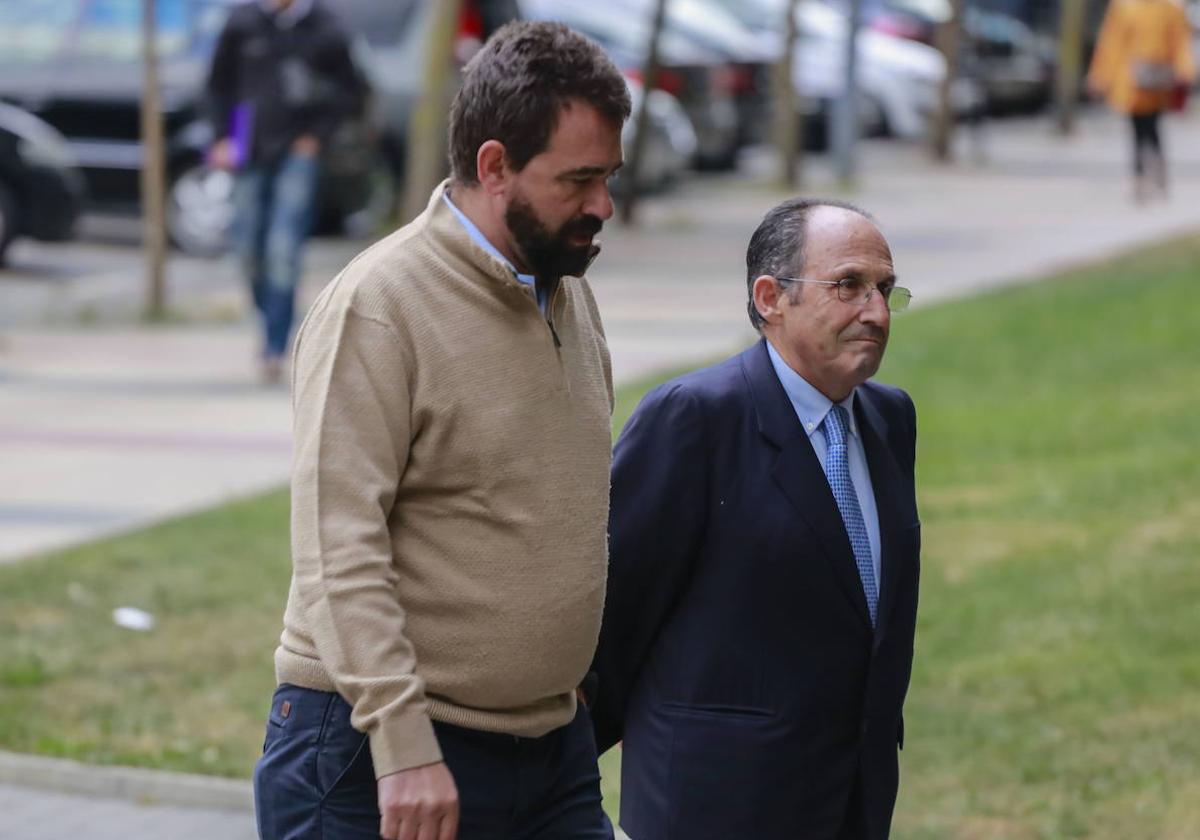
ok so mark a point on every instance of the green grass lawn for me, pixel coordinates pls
(1056, 690)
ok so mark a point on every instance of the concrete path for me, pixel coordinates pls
(32, 814)
(107, 426)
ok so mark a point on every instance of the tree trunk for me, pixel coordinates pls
(425, 163)
(789, 124)
(1070, 59)
(633, 164)
(950, 42)
(153, 176)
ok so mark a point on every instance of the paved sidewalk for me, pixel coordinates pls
(107, 428)
(32, 814)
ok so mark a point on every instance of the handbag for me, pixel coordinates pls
(1177, 100)
(1153, 76)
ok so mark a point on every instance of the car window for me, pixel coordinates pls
(35, 31)
(112, 29)
(381, 23)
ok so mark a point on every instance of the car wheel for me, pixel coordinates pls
(200, 210)
(8, 220)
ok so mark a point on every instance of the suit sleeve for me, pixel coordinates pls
(912, 430)
(659, 487)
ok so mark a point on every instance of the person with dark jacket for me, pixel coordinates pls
(282, 81)
(764, 554)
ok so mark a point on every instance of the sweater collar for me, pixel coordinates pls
(449, 233)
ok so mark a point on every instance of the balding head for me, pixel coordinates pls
(779, 244)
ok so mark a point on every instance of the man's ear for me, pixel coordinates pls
(768, 297)
(491, 167)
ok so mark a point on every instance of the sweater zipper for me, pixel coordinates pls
(550, 314)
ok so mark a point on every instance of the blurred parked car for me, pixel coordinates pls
(670, 144)
(702, 80)
(1015, 65)
(41, 190)
(76, 63)
(711, 26)
(899, 80)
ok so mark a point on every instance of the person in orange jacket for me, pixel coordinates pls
(1142, 55)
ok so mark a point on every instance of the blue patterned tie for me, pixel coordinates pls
(837, 471)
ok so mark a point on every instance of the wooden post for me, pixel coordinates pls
(949, 38)
(633, 164)
(789, 125)
(1070, 60)
(153, 176)
(425, 162)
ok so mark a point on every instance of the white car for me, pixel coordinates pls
(898, 79)
(670, 144)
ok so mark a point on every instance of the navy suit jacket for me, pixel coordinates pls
(737, 659)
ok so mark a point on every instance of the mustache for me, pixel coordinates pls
(588, 225)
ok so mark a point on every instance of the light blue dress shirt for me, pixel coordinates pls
(811, 407)
(482, 241)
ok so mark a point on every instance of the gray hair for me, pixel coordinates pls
(777, 246)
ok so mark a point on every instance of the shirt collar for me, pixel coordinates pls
(810, 404)
(482, 241)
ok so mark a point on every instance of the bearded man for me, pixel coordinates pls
(452, 402)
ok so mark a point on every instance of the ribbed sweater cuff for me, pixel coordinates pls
(404, 742)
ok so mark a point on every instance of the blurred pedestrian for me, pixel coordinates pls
(453, 396)
(1143, 58)
(762, 592)
(281, 82)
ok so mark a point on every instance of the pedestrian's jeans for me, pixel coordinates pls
(315, 780)
(273, 211)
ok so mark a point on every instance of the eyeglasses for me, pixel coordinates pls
(856, 291)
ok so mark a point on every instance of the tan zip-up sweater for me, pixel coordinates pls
(450, 493)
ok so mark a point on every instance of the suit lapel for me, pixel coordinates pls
(798, 473)
(885, 481)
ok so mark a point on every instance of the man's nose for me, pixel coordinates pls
(599, 202)
(875, 310)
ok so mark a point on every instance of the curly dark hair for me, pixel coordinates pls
(515, 88)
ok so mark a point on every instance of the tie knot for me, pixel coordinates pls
(835, 426)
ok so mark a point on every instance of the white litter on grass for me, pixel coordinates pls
(131, 618)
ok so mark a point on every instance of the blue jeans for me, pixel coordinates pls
(273, 210)
(315, 780)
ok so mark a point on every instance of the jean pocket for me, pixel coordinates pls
(343, 753)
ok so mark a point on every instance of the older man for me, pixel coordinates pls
(450, 497)
(762, 594)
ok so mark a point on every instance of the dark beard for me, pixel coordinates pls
(549, 255)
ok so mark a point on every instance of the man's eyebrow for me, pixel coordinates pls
(590, 171)
(851, 273)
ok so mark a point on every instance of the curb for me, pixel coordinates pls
(145, 787)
